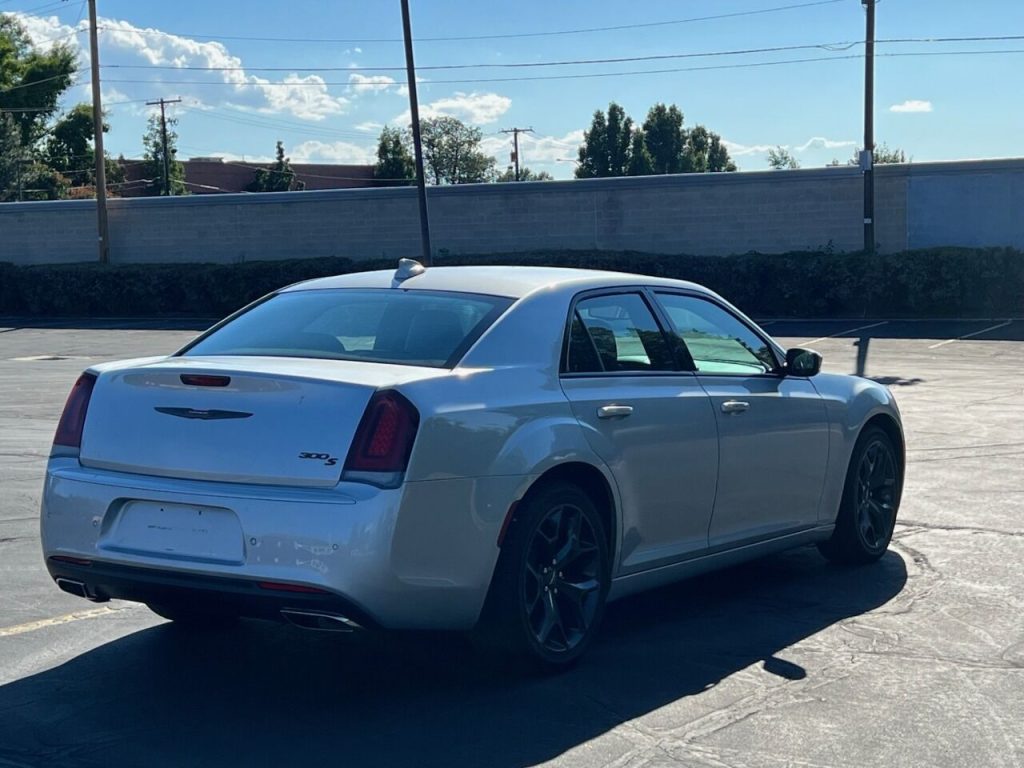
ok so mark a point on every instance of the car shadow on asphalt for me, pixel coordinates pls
(273, 695)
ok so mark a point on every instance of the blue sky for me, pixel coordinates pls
(933, 107)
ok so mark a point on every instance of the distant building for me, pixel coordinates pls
(215, 175)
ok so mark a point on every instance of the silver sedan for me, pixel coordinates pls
(502, 449)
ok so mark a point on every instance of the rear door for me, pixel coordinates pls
(649, 421)
(773, 429)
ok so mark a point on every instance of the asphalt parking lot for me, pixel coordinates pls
(917, 660)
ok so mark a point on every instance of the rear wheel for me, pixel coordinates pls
(547, 598)
(871, 498)
(190, 618)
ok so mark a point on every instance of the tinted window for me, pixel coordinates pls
(616, 333)
(718, 341)
(385, 326)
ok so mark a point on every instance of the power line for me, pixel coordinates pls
(590, 75)
(843, 45)
(506, 36)
(835, 46)
(42, 80)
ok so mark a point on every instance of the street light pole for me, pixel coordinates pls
(417, 142)
(868, 156)
(97, 121)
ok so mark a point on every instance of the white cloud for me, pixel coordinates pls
(474, 108)
(534, 150)
(741, 150)
(47, 31)
(124, 44)
(342, 152)
(369, 126)
(912, 105)
(820, 142)
(360, 84)
(814, 143)
(305, 97)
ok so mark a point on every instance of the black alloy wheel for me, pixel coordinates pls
(561, 586)
(870, 502)
(548, 592)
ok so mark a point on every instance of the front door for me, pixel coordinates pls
(653, 426)
(773, 429)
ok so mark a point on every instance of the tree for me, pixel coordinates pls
(705, 153)
(605, 150)
(451, 152)
(153, 143)
(69, 150)
(14, 159)
(886, 156)
(781, 159)
(31, 80)
(31, 84)
(525, 174)
(640, 163)
(662, 145)
(395, 164)
(277, 178)
(664, 138)
(883, 156)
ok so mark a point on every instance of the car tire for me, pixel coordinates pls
(188, 618)
(870, 502)
(548, 593)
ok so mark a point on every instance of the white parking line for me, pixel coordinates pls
(969, 335)
(32, 626)
(843, 333)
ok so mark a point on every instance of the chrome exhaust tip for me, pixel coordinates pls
(323, 621)
(78, 589)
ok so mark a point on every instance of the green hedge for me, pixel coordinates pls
(945, 282)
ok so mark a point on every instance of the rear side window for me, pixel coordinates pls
(616, 333)
(427, 328)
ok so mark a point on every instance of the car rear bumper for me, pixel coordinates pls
(417, 557)
(101, 581)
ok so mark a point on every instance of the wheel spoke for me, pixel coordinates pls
(552, 619)
(568, 550)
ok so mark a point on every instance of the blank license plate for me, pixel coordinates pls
(178, 531)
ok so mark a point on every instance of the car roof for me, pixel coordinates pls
(512, 282)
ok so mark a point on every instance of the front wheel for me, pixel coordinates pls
(547, 598)
(871, 499)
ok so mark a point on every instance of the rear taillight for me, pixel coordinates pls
(380, 450)
(72, 421)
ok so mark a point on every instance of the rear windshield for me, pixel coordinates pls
(427, 328)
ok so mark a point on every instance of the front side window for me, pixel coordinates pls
(717, 341)
(616, 333)
(383, 326)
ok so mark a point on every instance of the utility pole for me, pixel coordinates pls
(417, 141)
(867, 158)
(97, 124)
(515, 142)
(163, 132)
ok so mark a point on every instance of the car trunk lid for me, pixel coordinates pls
(274, 421)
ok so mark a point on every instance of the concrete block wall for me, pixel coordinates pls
(964, 203)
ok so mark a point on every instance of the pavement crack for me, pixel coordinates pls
(968, 528)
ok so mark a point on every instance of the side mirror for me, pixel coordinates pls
(802, 362)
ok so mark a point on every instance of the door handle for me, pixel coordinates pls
(614, 411)
(735, 406)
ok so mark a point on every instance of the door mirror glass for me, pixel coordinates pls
(802, 362)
